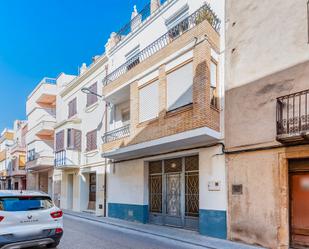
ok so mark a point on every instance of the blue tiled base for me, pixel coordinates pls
(213, 223)
(137, 213)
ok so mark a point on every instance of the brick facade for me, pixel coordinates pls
(199, 114)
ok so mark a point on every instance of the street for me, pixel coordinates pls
(84, 234)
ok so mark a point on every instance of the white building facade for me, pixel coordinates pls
(80, 125)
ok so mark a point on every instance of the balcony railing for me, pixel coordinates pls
(293, 116)
(116, 134)
(60, 158)
(139, 18)
(204, 13)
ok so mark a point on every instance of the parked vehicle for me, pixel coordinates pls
(29, 219)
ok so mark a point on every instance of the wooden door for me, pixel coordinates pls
(299, 206)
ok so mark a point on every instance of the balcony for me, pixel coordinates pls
(116, 134)
(45, 129)
(67, 159)
(204, 13)
(40, 160)
(293, 118)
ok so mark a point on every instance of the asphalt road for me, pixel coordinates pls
(84, 234)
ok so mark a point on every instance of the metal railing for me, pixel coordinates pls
(139, 18)
(116, 134)
(293, 113)
(60, 158)
(204, 13)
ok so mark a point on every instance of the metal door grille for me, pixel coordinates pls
(155, 193)
(192, 194)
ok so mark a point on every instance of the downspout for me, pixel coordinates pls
(105, 166)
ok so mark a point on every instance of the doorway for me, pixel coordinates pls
(299, 203)
(92, 191)
(70, 192)
(174, 192)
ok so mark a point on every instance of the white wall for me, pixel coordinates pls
(127, 183)
(90, 117)
(212, 169)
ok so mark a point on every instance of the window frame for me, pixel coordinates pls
(91, 146)
(214, 100)
(156, 79)
(166, 87)
(72, 107)
(92, 98)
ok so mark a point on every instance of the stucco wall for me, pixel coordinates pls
(251, 109)
(264, 37)
(254, 215)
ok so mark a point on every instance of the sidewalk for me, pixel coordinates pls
(181, 235)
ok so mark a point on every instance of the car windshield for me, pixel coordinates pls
(25, 203)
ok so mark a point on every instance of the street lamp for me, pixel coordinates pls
(88, 91)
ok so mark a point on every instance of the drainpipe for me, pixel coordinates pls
(105, 166)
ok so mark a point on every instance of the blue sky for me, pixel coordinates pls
(45, 37)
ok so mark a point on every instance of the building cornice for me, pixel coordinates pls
(79, 79)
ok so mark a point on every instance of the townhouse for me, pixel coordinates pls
(80, 125)
(6, 140)
(267, 65)
(163, 139)
(16, 172)
(41, 116)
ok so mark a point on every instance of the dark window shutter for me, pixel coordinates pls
(91, 140)
(92, 98)
(72, 107)
(77, 139)
(60, 141)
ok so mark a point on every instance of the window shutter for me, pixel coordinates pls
(91, 140)
(149, 102)
(179, 87)
(77, 139)
(72, 107)
(92, 98)
(60, 141)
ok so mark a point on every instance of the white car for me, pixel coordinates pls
(29, 219)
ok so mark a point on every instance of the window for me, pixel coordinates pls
(92, 98)
(60, 141)
(21, 162)
(91, 140)
(132, 58)
(74, 139)
(179, 87)
(213, 84)
(125, 116)
(25, 203)
(31, 155)
(149, 102)
(70, 139)
(72, 108)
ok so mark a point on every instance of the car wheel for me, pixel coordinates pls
(53, 245)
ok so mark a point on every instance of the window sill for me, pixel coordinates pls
(91, 153)
(73, 117)
(179, 110)
(91, 107)
(148, 122)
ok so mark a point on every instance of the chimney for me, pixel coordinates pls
(154, 5)
(82, 69)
